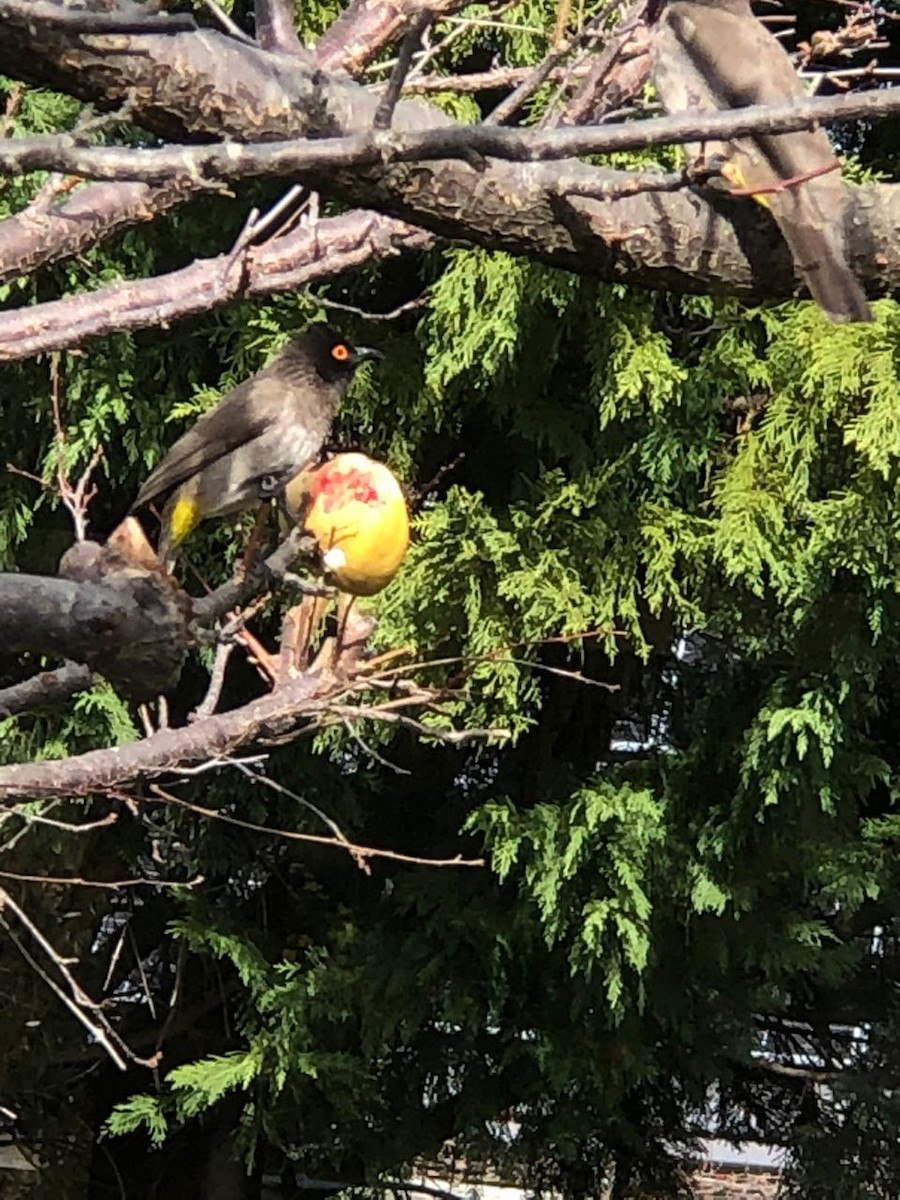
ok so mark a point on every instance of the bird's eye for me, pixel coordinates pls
(340, 352)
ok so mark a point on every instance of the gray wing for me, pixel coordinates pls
(245, 413)
(731, 60)
(743, 64)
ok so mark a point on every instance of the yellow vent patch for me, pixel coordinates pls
(186, 516)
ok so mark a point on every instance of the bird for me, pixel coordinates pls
(259, 435)
(354, 508)
(715, 55)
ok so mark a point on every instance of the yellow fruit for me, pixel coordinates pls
(355, 509)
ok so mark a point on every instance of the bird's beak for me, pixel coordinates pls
(367, 354)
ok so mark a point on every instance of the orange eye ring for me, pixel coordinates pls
(340, 352)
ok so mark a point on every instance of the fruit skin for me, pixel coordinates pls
(355, 509)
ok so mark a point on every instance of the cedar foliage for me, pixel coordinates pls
(690, 873)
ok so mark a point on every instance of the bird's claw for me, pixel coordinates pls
(200, 635)
(308, 588)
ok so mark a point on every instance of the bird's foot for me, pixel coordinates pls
(308, 587)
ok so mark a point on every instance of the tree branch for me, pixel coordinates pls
(365, 27)
(359, 853)
(185, 86)
(278, 714)
(86, 1010)
(412, 40)
(616, 74)
(131, 627)
(49, 687)
(40, 235)
(239, 590)
(229, 160)
(809, 1074)
(328, 248)
(275, 29)
(127, 17)
(115, 610)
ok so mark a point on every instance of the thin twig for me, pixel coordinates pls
(76, 999)
(228, 24)
(69, 826)
(174, 997)
(514, 101)
(114, 957)
(372, 752)
(412, 40)
(146, 720)
(268, 223)
(215, 764)
(260, 228)
(387, 716)
(78, 498)
(104, 884)
(207, 706)
(143, 974)
(436, 50)
(96, 1032)
(274, 786)
(315, 839)
(422, 491)
(494, 80)
(399, 311)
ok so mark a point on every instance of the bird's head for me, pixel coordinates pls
(333, 357)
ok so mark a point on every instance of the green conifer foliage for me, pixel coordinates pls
(667, 567)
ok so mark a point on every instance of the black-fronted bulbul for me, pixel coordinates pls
(715, 54)
(257, 438)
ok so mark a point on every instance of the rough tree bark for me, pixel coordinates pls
(203, 85)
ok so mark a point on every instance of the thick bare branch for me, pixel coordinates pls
(116, 614)
(365, 27)
(131, 627)
(279, 714)
(39, 235)
(275, 29)
(334, 245)
(49, 687)
(675, 241)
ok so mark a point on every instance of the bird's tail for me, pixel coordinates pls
(820, 257)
